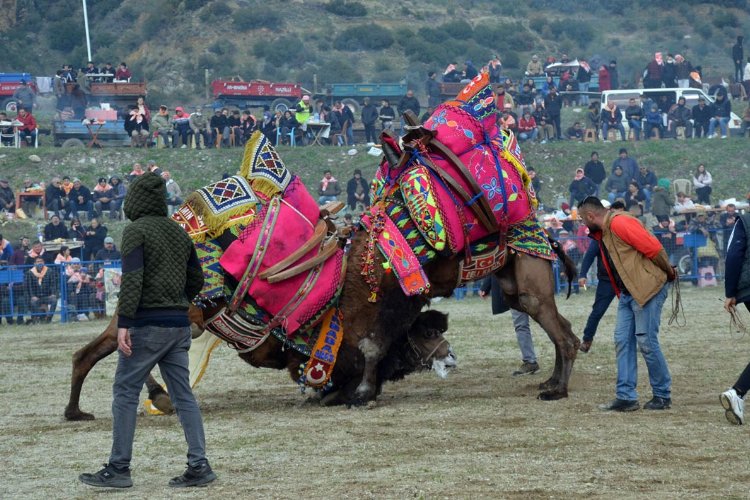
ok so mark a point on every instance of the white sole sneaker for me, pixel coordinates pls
(734, 406)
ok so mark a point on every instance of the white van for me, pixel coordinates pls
(622, 97)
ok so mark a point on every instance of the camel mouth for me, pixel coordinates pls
(442, 367)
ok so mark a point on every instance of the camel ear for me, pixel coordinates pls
(418, 134)
(391, 149)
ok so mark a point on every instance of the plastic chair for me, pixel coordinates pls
(289, 134)
(682, 186)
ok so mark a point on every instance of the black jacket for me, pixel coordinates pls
(702, 115)
(490, 284)
(52, 232)
(369, 114)
(408, 103)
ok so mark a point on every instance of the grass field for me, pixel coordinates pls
(478, 434)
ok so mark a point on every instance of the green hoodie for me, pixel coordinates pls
(160, 269)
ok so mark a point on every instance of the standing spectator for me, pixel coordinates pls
(76, 233)
(553, 106)
(387, 115)
(503, 97)
(527, 130)
(495, 69)
(614, 76)
(605, 294)
(682, 71)
(721, 111)
(746, 77)
(738, 55)
(302, 113)
(7, 198)
(6, 251)
(669, 72)
(174, 193)
(41, 287)
(182, 130)
(646, 181)
(118, 196)
(534, 67)
(617, 185)
(24, 96)
(408, 102)
(679, 116)
(348, 123)
(93, 240)
(329, 188)
(199, 127)
(55, 229)
(162, 125)
(369, 117)
(584, 79)
(580, 188)
(594, 170)
(470, 72)
(652, 77)
(28, 130)
(634, 116)
(726, 222)
(123, 73)
(220, 127)
(612, 118)
(357, 192)
(161, 275)
(78, 102)
(604, 81)
(702, 182)
(80, 199)
(737, 291)
(639, 270)
(432, 88)
(629, 165)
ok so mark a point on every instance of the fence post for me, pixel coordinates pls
(63, 295)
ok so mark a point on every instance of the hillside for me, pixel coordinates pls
(171, 42)
(556, 163)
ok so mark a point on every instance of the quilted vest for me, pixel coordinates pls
(743, 287)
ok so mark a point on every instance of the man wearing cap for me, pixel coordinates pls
(80, 199)
(628, 165)
(199, 127)
(161, 275)
(181, 123)
(24, 96)
(534, 68)
(109, 253)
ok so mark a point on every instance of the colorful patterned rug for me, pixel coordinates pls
(530, 238)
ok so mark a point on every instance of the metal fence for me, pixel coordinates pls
(70, 292)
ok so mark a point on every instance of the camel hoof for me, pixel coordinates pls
(162, 402)
(552, 395)
(78, 415)
(548, 385)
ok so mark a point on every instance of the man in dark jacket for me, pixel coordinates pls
(553, 106)
(41, 288)
(738, 55)
(408, 102)
(369, 117)
(160, 276)
(80, 199)
(701, 117)
(55, 229)
(432, 87)
(737, 291)
(55, 198)
(605, 294)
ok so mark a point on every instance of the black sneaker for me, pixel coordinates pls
(526, 369)
(620, 405)
(108, 477)
(193, 476)
(658, 403)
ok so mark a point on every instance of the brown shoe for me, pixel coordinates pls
(586, 346)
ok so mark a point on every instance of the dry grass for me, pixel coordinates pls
(478, 434)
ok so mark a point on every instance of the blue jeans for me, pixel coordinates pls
(723, 121)
(523, 336)
(638, 329)
(74, 207)
(584, 87)
(528, 136)
(635, 126)
(613, 196)
(605, 130)
(605, 294)
(168, 347)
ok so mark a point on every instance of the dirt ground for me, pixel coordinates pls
(480, 433)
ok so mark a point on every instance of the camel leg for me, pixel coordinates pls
(554, 379)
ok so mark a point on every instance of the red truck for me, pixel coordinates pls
(9, 82)
(256, 93)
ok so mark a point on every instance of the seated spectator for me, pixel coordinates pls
(287, 125)
(683, 203)
(109, 253)
(6, 130)
(28, 128)
(503, 98)
(526, 96)
(653, 121)
(268, 126)
(93, 240)
(702, 225)
(136, 172)
(580, 188)
(55, 197)
(66, 184)
(634, 196)
(162, 126)
(37, 250)
(534, 67)
(451, 74)
(329, 188)
(63, 255)
(248, 125)
(634, 116)
(679, 116)
(745, 127)
(7, 198)
(174, 193)
(76, 233)
(357, 192)
(617, 185)
(200, 128)
(118, 196)
(665, 232)
(527, 130)
(594, 117)
(547, 86)
(91, 69)
(575, 133)
(182, 130)
(55, 229)
(546, 128)
(612, 118)
(6, 251)
(123, 73)
(646, 180)
(81, 290)
(508, 120)
(220, 126)
(721, 112)
(102, 196)
(109, 70)
(80, 199)
(41, 287)
(702, 182)
(235, 124)
(136, 125)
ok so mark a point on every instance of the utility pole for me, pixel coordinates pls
(86, 26)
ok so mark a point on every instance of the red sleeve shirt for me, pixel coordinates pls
(29, 122)
(632, 232)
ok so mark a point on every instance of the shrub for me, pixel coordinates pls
(364, 37)
(251, 18)
(724, 19)
(195, 4)
(64, 36)
(283, 50)
(218, 10)
(459, 29)
(346, 9)
(431, 35)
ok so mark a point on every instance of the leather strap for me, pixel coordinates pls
(321, 228)
(328, 250)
